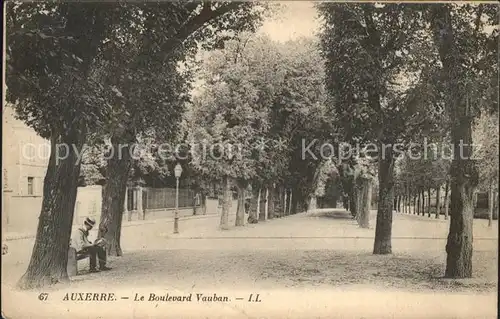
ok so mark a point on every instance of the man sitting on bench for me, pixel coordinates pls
(83, 246)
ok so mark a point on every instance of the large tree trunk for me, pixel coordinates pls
(113, 195)
(460, 237)
(446, 200)
(383, 230)
(240, 211)
(226, 198)
(49, 257)
(438, 201)
(464, 175)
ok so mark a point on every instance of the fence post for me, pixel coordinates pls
(140, 210)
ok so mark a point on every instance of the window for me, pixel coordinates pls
(30, 185)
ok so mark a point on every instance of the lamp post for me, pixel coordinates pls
(177, 173)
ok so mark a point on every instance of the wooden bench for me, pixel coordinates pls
(73, 259)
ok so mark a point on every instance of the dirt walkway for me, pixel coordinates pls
(315, 264)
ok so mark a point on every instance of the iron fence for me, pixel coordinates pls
(164, 198)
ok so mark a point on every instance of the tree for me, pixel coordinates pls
(149, 97)
(226, 120)
(52, 80)
(485, 136)
(326, 172)
(428, 172)
(300, 116)
(368, 49)
(467, 54)
(93, 167)
(162, 35)
(263, 98)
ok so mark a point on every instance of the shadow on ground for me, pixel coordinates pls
(287, 269)
(337, 214)
(401, 271)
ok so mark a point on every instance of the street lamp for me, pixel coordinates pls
(177, 173)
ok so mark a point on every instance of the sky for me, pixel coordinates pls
(294, 19)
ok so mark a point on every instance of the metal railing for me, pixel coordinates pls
(164, 198)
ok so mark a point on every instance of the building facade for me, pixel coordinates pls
(25, 160)
(24, 164)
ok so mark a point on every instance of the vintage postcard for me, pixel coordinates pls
(255, 159)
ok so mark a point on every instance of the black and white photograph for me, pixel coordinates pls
(250, 159)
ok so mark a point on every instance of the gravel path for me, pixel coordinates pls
(288, 261)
